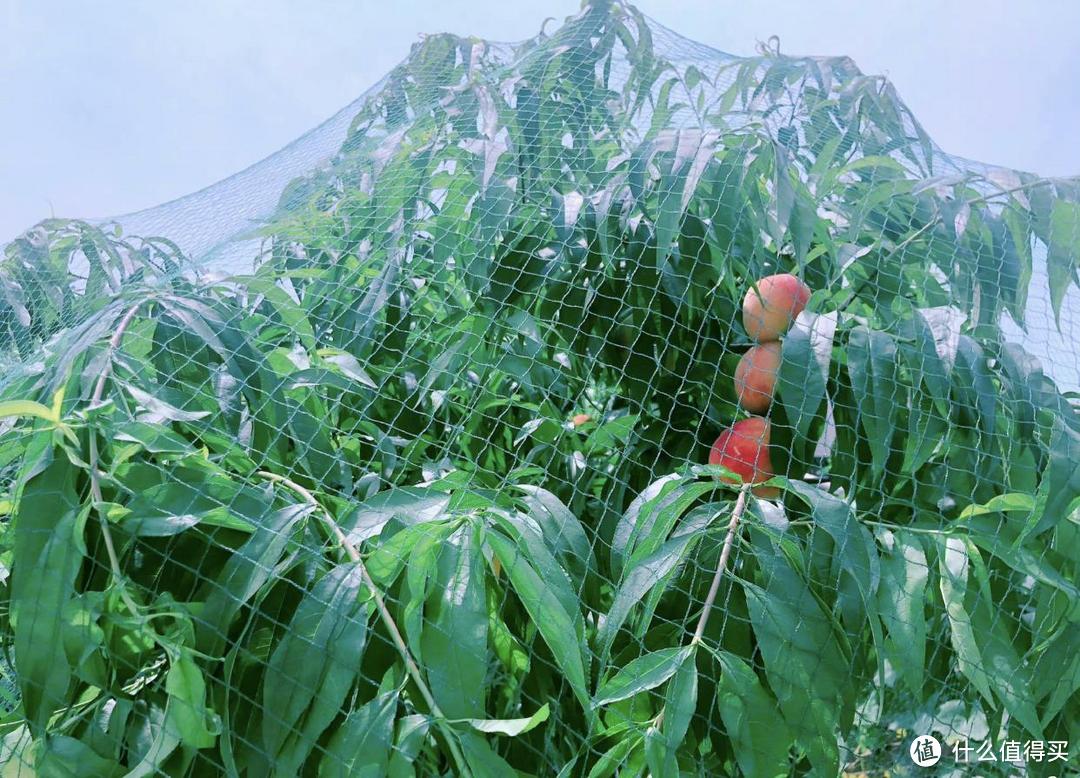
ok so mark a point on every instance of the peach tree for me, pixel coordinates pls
(425, 491)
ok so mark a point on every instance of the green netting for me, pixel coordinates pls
(419, 447)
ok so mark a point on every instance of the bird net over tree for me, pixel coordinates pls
(599, 404)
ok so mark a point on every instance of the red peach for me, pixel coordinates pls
(581, 418)
(755, 377)
(744, 450)
(769, 311)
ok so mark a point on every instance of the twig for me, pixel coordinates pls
(721, 565)
(948, 531)
(384, 613)
(714, 588)
(328, 520)
(902, 245)
(95, 478)
(1003, 192)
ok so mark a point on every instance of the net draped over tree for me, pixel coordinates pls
(418, 448)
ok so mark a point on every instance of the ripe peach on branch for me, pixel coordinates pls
(744, 450)
(755, 377)
(769, 310)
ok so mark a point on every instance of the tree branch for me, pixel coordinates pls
(384, 613)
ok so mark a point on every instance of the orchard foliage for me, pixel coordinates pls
(344, 515)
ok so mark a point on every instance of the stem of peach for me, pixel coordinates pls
(714, 588)
(721, 565)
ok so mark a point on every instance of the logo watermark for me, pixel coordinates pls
(927, 751)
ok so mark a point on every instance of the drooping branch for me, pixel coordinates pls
(384, 612)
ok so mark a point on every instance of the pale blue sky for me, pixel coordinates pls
(118, 105)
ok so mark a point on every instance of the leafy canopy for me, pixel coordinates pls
(332, 517)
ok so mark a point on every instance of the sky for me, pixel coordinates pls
(116, 106)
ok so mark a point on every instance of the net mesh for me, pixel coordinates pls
(598, 404)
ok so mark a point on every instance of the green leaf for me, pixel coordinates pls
(975, 385)
(63, 757)
(291, 314)
(155, 438)
(159, 410)
(644, 673)
(759, 735)
(919, 349)
(803, 661)
(453, 643)
(609, 762)
(483, 761)
(348, 365)
(1018, 234)
(659, 756)
(157, 739)
(312, 668)
(166, 526)
(1063, 251)
(410, 505)
(1066, 681)
(680, 702)
(260, 388)
(361, 746)
(658, 516)
(388, 557)
(855, 546)
(562, 531)
(857, 557)
(930, 404)
(44, 566)
(803, 224)
(246, 572)
(195, 724)
(193, 496)
(642, 578)
(410, 736)
(642, 503)
(307, 427)
(984, 653)
(785, 194)
(512, 727)
(1004, 503)
(902, 602)
(804, 368)
(28, 408)
(423, 563)
(927, 430)
(1001, 541)
(561, 630)
(1060, 478)
(669, 210)
(872, 366)
(531, 544)
(506, 646)
(953, 567)
(611, 434)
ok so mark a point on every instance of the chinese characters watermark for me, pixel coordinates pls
(926, 751)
